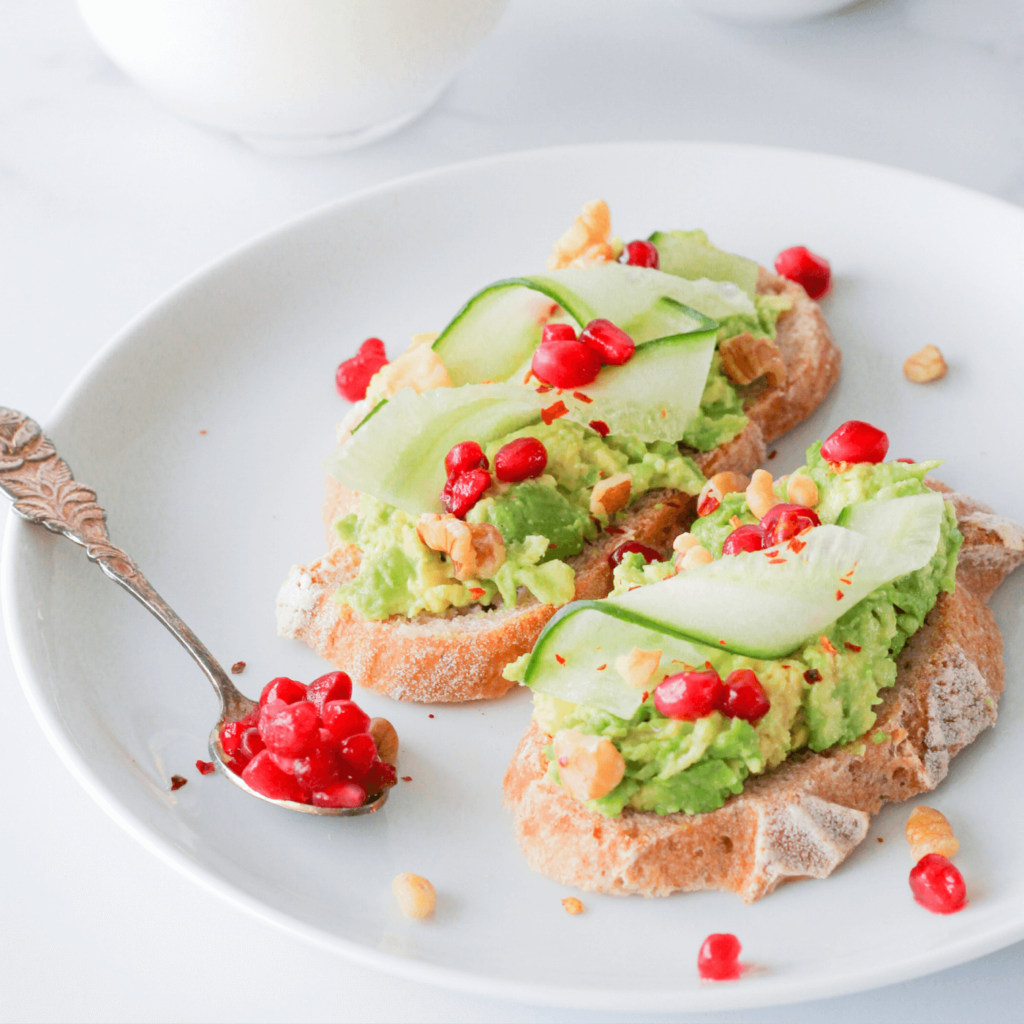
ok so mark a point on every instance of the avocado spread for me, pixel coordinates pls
(821, 696)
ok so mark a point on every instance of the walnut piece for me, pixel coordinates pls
(925, 366)
(477, 550)
(386, 738)
(608, 496)
(928, 831)
(745, 358)
(415, 895)
(586, 242)
(420, 368)
(638, 666)
(588, 766)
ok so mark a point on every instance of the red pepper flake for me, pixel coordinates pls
(529, 374)
(839, 595)
(563, 761)
(772, 554)
(776, 561)
(671, 504)
(430, 716)
(202, 431)
(476, 593)
(707, 664)
(773, 453)
(552, 412)
(735, 522)
(664, 414)
(827, 644)
(645, 695)
(787, 666)
(206, 767)
(559, 659)
(177, 781)
(407, 778)
(600, 427)
(708, 505)
(601, 668)
(880, 839)
(796, 546)
(851, 647)
(238, 668)
(580, 397)
(722, 642)
(544, 389)
(909, 462)
(812, 675)
(614, 529)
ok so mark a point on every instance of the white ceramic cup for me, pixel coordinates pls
(293, 76)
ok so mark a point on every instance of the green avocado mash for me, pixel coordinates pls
(821, 696)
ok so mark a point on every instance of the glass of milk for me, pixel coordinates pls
(293, 77)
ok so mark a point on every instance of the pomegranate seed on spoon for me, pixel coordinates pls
(640, 254)
(344, 718)
(283, 689)
(566, 364)
(333, 686)
(611, 343)
(521, 459)
(263, 775)
(289, 730)
(807, 269)
(855, 441)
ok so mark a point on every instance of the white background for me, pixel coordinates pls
(106, 201)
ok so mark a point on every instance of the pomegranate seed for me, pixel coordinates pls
(937, 885)
(744, 696)
(340, 794)
(344, 718)
(289, 729)
(909, 462)
(745, 538)
(521, 459)
(462, 492)
(358, 753)
(286, 764)
(333, 686)
(177, 781)
(566, 364)
(252, 743)
(557, 332)
(855, 441)
(812, 675)
(381, 776)
(799, 518)
(353, 375)
(633, 547)
(231, 737)
(600, 427)
(319, 768)
(640, 254)
(803, 266)
(253, 718)
(689, 695)
(265, 777)
(611, 343)
(206, 767)
(464, 457)
(718, 959)
(283, 689)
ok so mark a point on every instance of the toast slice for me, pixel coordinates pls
(460, 656)
(803, 818)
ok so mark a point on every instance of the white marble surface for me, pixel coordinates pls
(106, 201)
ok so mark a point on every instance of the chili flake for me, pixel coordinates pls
(559, 659)
(851, 647)
(476, 593)
(827, 645)
(206, 767)
(796, 546)
(812, 675)
(543, 389)
(776, 561)
(552, 412)
(177, 781)
(601, 668)
(580, 397)
(238, 668)
(407, 778)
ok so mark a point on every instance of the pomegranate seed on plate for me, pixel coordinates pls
(332, 686)
(566, 364)
(718, 959)
(633, 547)
(611, 343)
(344, 718)
(937, 885)
(206, 767)
(557, 332)
(284, 689)
(462, 492)
(855, 441)
(750, 537)
(600, 427)
(252, 743)
(803, 266)
(744, 696)
(521, 459)
(358, 753)
(353, 375)
(340, 794)
(289, 729)
(463, 457)
(689, 695)
(263, 775)
(640, 254)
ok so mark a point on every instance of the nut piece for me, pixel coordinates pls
(760, 496)
(745, 358)
(476, 549)
(610, 495)
(928, 831)
(717, 487)
(693, 557)
(415, 895)
(586, 242)
(384, 735)
(684, 542)
(420, 368)
(925, 365)
(589, 766)
(638, 666)
(423, 339)
(802, 490)
(572, 905)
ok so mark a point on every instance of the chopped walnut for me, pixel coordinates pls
(608, 496)
(420, 368)
(572, 905)
(423, 339)
(476, 549)
(588, 766)
(586, 242)
(745, 358)
(638, 666)
(928, 831)
(925, 366)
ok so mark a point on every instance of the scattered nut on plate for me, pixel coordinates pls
(416, 896)
(572, 905)
(925, 365)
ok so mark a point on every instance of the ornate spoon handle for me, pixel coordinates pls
(44, 491)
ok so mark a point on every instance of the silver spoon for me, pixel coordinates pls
(44, 491)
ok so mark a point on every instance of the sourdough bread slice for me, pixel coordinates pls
(804, 817)
(460, 656)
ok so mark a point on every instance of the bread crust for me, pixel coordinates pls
(460, 656)
(803, 818)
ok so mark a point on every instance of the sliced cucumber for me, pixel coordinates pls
(689, 254)
(398, 455)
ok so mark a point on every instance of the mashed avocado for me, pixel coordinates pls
(822, 696)
(542, 522)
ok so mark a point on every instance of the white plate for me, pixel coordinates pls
(246, 350)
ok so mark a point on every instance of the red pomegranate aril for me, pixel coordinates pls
(357, 753)
(252, 743)
(521, 459)
(237, 764)
(263, 775)
(744, 696)
(566, 364)
(557, 332)
(600, 427)
(611, 343)
(206, 767)
(319, 768)
(463, 457)
(788, 526)
(750, 537)
(640, 254)
(231, 737)
(632, 547)
(806, 268)
(340, 794)
(283, 689)
(381, 776)
(855, 441)
(689, 695)
(352, 377)
(289, 729)
(937, 885)
(332, 686)
(770, 520)
(344, 718)
(286, 764)
(462, 492)
(718, 959)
